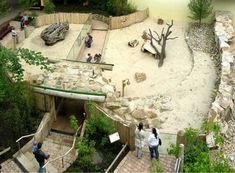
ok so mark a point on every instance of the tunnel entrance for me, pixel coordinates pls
(64, 109)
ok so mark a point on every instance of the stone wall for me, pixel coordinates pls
(222, 106)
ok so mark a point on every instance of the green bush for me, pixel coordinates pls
(49, 7)
(117, 7)
(196, 153)
(4, 7)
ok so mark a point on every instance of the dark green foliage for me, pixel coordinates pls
(28, 3)
(104, 7)
(200, 9)
(98, 127)
(197, 157)
(18, 115)
(117, 7)
(49, 7)
(4, 7)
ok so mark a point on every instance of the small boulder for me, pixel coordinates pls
(139, 77)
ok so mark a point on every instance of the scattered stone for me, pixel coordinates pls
(113, 105)
(139, 77)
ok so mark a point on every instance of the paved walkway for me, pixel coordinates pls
(99, 31)
(131, 164)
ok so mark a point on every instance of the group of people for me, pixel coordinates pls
(153, 142)
(95, 59)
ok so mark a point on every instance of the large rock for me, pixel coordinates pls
(54, 33)
(139, 114)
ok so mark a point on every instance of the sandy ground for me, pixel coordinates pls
(58, 51)
(190, 85)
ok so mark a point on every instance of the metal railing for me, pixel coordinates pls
(26, 136)
(117, 158)
(5, 150)
(62, 156)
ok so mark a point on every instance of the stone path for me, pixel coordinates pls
(132, 164)
(10, 166)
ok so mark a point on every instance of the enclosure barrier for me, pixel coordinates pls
(223, 104)
(79, 45)
(76, 18)
(117, 159)
(127, 20)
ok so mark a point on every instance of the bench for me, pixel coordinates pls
(5, 28)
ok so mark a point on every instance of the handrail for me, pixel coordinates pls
(5, 150)
(26, 136)
(74, 140)
(111, 165)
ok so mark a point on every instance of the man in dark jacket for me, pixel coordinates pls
(40, 157)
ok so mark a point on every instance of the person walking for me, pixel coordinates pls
(40, 157)
(153, 142)
(139, 140)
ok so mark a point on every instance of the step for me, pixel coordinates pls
(27, 164)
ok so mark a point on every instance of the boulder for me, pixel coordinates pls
(54, 33)
(139, 77)
(139, 114)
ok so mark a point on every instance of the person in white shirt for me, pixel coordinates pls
(139, 140)
(14, 34)
(153, 142)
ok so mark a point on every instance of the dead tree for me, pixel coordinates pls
(161, 40)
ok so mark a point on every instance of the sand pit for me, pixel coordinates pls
(59, 50)
(187, 79)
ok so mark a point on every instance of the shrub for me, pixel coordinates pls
(4, 7)
(49, 7)
(117, 7)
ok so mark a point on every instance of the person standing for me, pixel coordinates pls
(40, 157)
(14, 35)
(153, 142)
(139, 140)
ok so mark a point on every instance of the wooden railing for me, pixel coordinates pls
(26, 136)
(62, 156)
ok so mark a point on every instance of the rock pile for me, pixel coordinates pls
(223, 106)
(133, 110)
(74, 76)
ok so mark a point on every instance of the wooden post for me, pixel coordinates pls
(181, 156)
(13, 43)
(131, 141)
(180, 138)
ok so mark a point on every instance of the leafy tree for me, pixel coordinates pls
(200, 9)
(17, 111)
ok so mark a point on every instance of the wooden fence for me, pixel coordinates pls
(127, 20)
(76, 18)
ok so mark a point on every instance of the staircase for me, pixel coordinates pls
(55, 144)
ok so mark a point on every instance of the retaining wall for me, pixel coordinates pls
(222, 106)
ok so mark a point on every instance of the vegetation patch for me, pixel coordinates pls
(95, 152)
